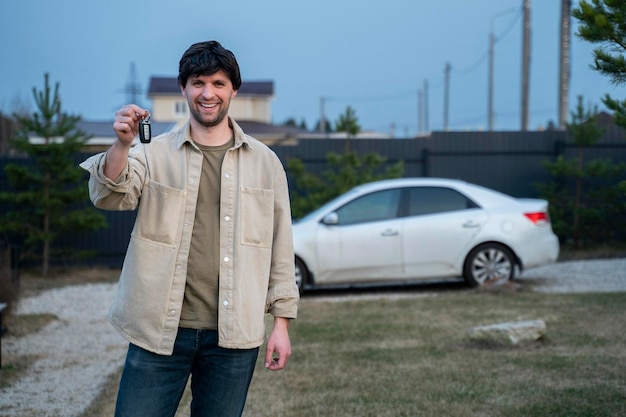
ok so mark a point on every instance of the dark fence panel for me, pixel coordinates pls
(510, 162)
(108, 244)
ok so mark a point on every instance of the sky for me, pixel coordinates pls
(374, 56)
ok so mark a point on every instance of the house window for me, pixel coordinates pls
(180, 108)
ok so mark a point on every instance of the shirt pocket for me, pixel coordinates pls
(257, 216)
(160, 215)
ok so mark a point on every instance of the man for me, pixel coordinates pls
(210, 253)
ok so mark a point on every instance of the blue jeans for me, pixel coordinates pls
(152, 385)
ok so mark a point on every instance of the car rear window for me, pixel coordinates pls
(430, 200)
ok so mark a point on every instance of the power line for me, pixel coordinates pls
(396, 96)
(496, 40)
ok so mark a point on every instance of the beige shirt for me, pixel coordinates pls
(256, 268)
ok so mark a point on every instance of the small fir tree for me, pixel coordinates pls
(49, 194)
(346, 171)
(585, 203)
(348, 122)
(602, 22)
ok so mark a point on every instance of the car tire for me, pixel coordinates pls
(488, 263)
(302, 275)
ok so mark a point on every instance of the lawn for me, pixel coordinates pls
(411, 357)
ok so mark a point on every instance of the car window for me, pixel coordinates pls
(379, 205)
(429, 200)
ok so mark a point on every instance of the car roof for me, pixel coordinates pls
(486, 196)
(409, 182)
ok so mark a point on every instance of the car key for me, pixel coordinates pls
(145, 130)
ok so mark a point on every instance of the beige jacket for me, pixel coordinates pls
(257, 262)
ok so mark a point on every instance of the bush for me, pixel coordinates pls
(348, 170)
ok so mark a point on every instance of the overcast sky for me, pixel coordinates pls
(371, 55)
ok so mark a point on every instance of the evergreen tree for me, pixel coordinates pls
(586, 206)
(291, 122)
(603, 22)
(48, 196)
(328, 126)
(348, 122)
(345, 171)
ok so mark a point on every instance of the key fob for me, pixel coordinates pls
(145, 130)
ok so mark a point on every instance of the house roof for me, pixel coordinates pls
(169, 86)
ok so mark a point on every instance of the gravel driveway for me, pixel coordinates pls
(80, 350)
(600, 275)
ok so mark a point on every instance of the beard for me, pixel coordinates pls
(209, 121)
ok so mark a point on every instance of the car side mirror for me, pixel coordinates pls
(331, 219)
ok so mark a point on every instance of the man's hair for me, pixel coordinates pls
(207, 58)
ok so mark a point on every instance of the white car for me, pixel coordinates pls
(415, 229)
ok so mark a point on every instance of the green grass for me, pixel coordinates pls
(15, 365)
(410, 357)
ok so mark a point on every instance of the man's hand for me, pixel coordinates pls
(278, 348)
(126, 124)
(126, 127)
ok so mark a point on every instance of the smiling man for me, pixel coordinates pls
(210, 254)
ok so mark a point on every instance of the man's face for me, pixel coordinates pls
(209, 97)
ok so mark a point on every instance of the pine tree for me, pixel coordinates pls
(49, 195)
(602, 22)
(348, 122)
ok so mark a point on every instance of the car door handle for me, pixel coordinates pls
(471, 223)
(389, 232)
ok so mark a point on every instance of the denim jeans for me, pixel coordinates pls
(152, 385)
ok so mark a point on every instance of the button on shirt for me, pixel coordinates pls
(161, 181)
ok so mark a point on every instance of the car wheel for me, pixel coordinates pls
(488, 263)
(302, 275)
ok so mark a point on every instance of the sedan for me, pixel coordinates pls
(414, 229)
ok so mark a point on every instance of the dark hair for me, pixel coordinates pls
(207, 58)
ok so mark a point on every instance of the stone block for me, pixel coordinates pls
(511, 333)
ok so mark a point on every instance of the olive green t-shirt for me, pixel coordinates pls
(201, 291)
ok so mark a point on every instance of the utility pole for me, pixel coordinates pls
(526, 65)
(446, 96)
(492, 41)
(426, 106)
(133, 89)
(322, 117)
(564, 63)
(492, 47)
(420, 111)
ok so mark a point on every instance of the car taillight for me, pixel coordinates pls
(538, 217)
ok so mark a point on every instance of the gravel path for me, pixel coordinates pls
(599, 275)
(80, 350)
(77, 353)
